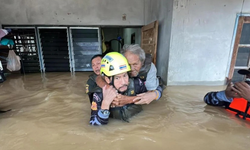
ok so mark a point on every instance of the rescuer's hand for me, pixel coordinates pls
(243, 90)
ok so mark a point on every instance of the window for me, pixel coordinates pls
(55, 49)
(26, 47)
(241, 51)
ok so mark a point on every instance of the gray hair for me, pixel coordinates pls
(135, 49)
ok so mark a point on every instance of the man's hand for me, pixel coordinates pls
(231, 92)
(121, 100)
(145, 98)
(243, 90)
(109, 93)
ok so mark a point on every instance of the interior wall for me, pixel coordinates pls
(201, 39)
(68, 12)
(161, 10)
(127, 32)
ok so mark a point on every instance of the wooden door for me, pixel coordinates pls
(149, 35)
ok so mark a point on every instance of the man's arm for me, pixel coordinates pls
(217, 98)
(122, 100)
(221, 98)
(97, 118)
(152, 85)
(100, 82)
(101, 102)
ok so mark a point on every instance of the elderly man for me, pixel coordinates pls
(142, 67)
(235, 97)
(114, 68)
(91, 83)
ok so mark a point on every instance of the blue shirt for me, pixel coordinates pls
(217, 98)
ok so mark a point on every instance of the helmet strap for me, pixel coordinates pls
(112, 82)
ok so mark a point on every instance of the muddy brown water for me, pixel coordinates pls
(51, 112)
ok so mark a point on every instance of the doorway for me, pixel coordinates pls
(116, 37)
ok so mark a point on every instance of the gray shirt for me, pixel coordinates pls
(152, 81)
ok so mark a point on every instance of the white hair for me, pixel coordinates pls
(135, 49)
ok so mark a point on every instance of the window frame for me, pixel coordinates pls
(241, 19)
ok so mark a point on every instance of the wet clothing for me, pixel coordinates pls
(238, 105)
(217, 99)
(136, 86)
(125, 112)
(91, 86)
(148, 74)
(145, 68)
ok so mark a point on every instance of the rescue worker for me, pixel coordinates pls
(142, 67)
(235, 97)
(91, 84)
(114, 70)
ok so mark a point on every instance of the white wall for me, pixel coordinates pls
(127, 35)
(202, 31)
(161, 10)
(72, 12)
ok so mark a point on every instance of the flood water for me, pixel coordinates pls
(51, 112)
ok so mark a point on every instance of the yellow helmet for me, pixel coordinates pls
(114, 63)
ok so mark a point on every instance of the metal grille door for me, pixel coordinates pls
(26, 47)
(85, 43)
(54, 45)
